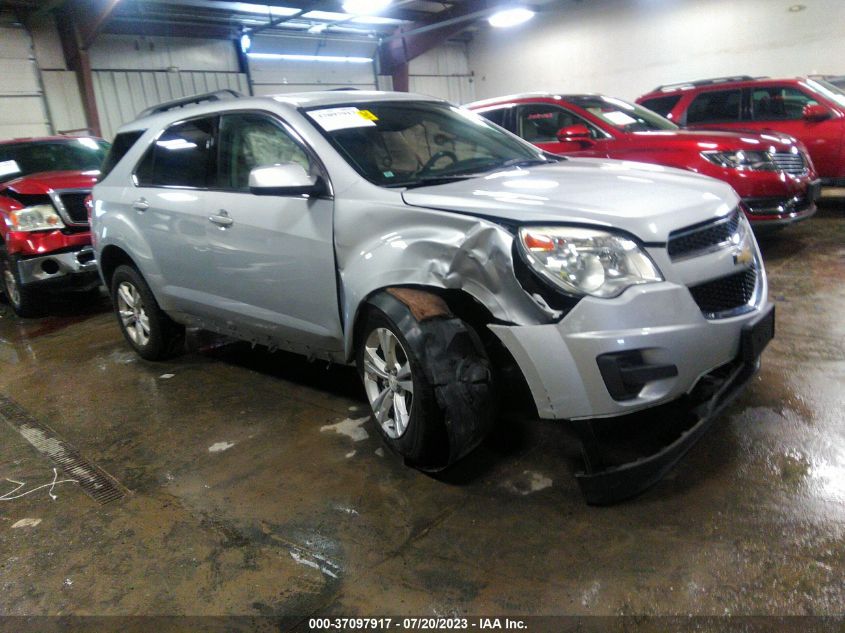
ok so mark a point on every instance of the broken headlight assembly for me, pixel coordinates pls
(36, 218)
(581, 261)
(742, 160)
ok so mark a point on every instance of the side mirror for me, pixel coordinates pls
(288, 179)
(574, 133)
(816, 112)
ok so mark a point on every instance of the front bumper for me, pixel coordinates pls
(603, 485)
(661, 321)
(780, 211)
(77, 267)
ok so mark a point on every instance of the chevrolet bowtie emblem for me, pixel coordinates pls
(743, 256)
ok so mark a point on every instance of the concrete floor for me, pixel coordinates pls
(259, 488)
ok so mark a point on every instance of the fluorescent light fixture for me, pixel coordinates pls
(312, 58)
(326, 15)
(510, 17)
(318, 28)
(365, 7)
(246, 42)
(375, 19)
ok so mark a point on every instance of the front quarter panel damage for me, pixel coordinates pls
(414, 246)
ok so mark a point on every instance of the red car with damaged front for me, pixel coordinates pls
(771, 172)
(45, 240)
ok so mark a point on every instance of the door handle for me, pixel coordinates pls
(222, 219)
(141, 205)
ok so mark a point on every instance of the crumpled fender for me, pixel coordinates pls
(424, 247)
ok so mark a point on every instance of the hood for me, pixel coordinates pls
(722, 141)
(646, 200)
(47, 181)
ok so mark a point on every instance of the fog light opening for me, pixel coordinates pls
(50, 266)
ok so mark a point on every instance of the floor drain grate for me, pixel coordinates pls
(97, 483)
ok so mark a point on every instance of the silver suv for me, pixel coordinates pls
(432, 248)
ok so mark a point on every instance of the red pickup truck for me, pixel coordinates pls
(772, 173)
(45, 240)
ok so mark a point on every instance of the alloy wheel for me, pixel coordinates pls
(13, 292)
(133, 314)
(388, 381)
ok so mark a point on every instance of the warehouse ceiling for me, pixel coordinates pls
(227, 19)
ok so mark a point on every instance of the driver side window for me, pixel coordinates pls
(249, 140)
(539, 123)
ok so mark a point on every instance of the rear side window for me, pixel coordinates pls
(779, 103)
(183, 156)
(122, 144)
(662, 105)
(715, 106)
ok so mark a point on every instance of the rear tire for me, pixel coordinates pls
(145, 326)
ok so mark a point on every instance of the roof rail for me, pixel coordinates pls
(703, 82)
(217, 95)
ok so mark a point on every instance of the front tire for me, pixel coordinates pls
(428, 382)
(145, 326)
(26, 302)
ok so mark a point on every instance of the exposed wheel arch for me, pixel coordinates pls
(110, 258)
(475, 314)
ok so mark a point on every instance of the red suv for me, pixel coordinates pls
(772, 174)
(45, 240)
(811, 110)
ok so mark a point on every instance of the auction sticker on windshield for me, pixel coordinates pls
(332, 119)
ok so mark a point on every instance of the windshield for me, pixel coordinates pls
(622, 115)
(407, 143)
(829, 90)
(73, 154)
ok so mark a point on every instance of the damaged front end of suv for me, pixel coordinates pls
(427, 246)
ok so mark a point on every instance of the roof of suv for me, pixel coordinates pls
(718, 82)
(208, 104)
(557, 96)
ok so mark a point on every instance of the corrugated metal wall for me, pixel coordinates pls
(122, 94)
(272, 76)
(133, 73)
(22, 109)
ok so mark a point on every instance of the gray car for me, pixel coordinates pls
(432, 249)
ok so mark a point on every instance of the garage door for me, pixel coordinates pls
(122, 94)
(22, 111)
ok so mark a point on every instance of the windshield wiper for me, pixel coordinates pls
(433, 180)
(525, 162)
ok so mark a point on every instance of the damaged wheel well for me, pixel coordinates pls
(427, 302)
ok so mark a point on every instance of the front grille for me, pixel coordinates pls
(725, 294)
(702, 237)
(74, 204)
(777, 206)
(789, 162)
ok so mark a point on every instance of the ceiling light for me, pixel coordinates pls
(246, 42)
(312, 58)
(318, 28)
(365, 7)
(510, 17)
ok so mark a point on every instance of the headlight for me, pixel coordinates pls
(37, 218)
(586, 261)
(741, 159)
